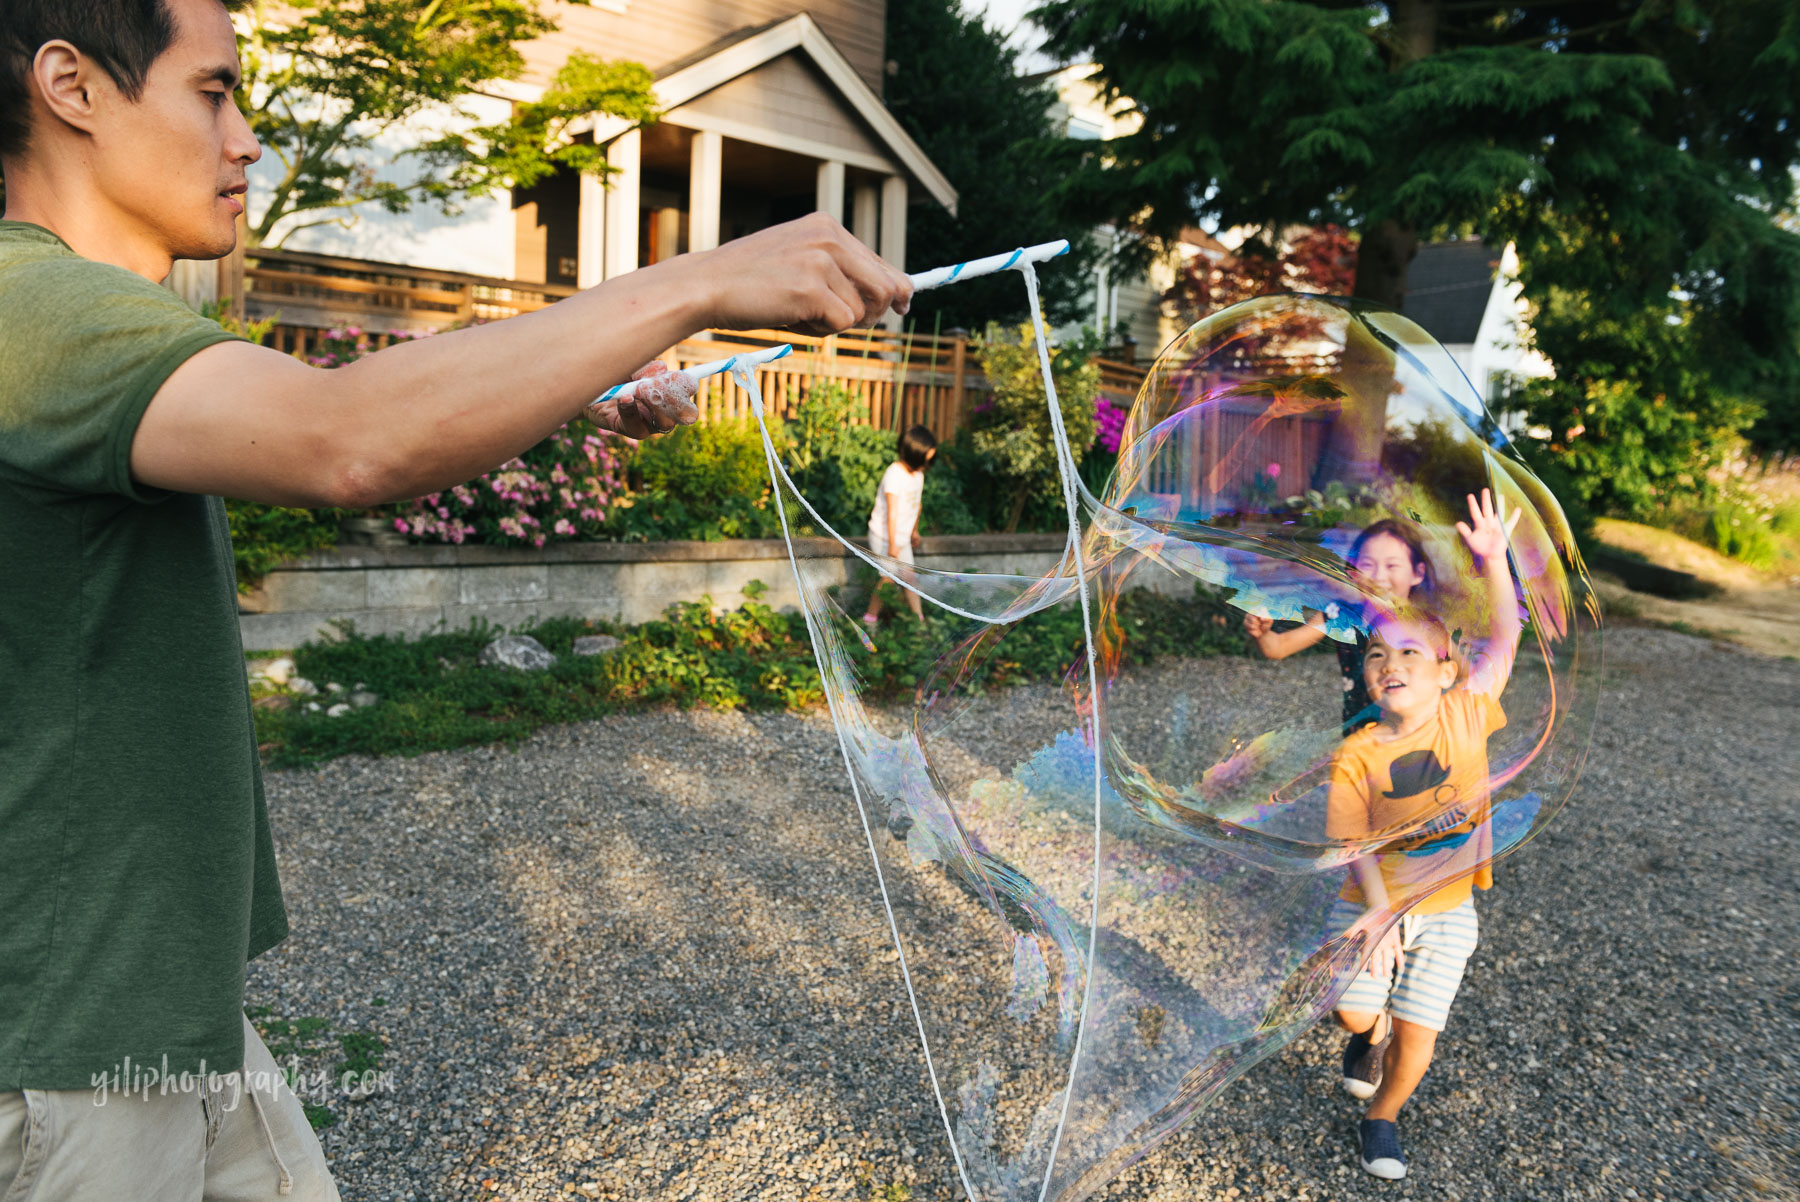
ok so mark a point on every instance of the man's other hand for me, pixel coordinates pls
(809, 275)
(663, 400)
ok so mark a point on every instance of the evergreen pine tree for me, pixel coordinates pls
(954, 86)
(1634, 148)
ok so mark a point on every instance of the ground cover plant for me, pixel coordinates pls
(435, 695)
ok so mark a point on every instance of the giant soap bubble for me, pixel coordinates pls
(1112, 895)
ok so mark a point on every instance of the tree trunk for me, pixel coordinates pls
(1020, 496)
(1415, 29)
(1386, 251)
(1388, 246)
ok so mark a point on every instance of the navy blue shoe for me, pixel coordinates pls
(1362, 1063)
(1381, 1154)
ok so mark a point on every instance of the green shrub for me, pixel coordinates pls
(705, 464)
(1786, 519)
(435, 695)
(263, 536)
(836, 457)
(705, 482)
(1012, 429)
(943, 509)
(1735, 531)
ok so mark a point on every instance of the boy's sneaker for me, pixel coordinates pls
(1380, 1146)
(1362, 1063)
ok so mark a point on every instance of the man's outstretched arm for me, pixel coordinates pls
(248, 422)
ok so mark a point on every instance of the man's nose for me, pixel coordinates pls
(242, 146)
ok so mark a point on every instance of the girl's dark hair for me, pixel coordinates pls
(915, 446)
(123, 36)
(1407, 535)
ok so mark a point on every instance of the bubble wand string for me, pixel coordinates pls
(1022, 261)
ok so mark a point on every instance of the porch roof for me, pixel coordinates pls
(741, 53)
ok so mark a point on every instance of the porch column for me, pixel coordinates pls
(865, 214)
(893, 231)
(706, 181)
(626, 154)
(829, 197)
(590, 233)
(893, 220)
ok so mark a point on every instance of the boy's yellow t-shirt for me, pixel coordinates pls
(1429, 793)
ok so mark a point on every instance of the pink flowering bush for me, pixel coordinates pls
(559, 490)
(346, 344)
(1109, 424)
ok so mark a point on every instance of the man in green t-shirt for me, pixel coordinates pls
(139, 872)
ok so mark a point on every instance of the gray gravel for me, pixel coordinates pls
(644, 958)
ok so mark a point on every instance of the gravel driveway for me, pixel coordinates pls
(644, 959)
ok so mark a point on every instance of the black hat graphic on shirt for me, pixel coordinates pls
(1416, 772)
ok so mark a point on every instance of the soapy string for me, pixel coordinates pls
(1072, 489)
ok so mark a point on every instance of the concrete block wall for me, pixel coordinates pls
(412, 590)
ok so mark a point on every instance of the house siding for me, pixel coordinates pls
(787, 96)
(659, 32)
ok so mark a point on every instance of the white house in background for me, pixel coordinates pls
(770, 112)
(1466, 294)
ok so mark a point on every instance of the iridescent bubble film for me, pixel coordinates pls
(1113, 895)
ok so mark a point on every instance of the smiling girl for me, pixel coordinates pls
(1389, 560)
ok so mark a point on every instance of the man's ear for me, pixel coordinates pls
(67, 82)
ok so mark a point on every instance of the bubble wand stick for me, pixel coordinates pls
(992, 265)
(701, 370)
(936, 277)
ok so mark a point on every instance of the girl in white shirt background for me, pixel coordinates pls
(894, 524)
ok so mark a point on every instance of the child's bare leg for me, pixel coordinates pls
(874, 610)
(1407, 1059)
(1358, 1022)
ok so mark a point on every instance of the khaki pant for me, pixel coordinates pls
(223, 1144)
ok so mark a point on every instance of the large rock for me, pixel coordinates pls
(597, 644)
(519, 651)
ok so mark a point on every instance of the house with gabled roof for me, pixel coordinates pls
(770, 111)
(1466, 294)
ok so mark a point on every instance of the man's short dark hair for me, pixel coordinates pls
(123, 36)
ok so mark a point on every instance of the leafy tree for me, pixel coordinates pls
(1635, 415)
(325, 81)
(1013, 429)
(1321, 260)
(1634, 148)
(956, 89)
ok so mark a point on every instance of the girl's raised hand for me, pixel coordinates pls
(1489, 526)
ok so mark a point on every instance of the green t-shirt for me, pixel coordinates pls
(137, 875)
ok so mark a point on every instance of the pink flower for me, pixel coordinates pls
(563, 527)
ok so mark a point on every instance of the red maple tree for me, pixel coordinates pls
(1318, 259)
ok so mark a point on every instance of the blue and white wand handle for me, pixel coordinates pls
(938, 276)
(701, 370)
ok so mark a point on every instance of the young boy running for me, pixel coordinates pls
(1414, 785)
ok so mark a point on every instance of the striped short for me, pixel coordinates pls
(1437, 947)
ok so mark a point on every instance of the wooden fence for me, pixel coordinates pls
(905, 378)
